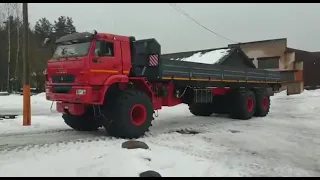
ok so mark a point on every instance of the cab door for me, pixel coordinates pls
(105, 62)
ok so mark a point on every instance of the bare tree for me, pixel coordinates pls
(9, 14)
(2, 14)
(18, 16)
(2, 19)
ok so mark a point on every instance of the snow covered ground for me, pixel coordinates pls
(13, 105)
(286, 143)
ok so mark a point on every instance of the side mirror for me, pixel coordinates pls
(46, 41)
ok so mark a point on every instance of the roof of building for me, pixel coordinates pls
(261, 41)
(316, 53)
(302, 55)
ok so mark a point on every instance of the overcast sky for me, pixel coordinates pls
(175, 32)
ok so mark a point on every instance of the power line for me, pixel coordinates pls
(176, 7)
(180, 10)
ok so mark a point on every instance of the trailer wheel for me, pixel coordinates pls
(85, 122)
(243, 106)
(201, 109)
(130, 114)
(220, 104)
(262, 104)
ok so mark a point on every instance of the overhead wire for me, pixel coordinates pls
(180, 10)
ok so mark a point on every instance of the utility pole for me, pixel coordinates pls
(9, 52)
(26, 74)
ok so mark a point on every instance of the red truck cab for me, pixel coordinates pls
(83, 66)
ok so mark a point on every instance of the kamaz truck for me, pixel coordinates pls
(118, 83)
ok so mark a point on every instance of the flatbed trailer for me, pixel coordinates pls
(217, 74)
(119, 83)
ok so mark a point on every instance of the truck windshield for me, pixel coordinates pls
(71, 49)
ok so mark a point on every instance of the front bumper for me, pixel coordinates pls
(72, 96)
(75, 101)
(74, 109)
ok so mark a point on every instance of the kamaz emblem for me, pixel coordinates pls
(61, 71)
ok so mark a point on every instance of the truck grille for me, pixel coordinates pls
(63, 79)
(61, 89)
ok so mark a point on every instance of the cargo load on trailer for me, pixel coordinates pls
(118, 82)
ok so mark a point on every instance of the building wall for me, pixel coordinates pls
(289, 62)
(275, 52)
(312, 73)
(264, 49)
(273, 48)
(299, 65)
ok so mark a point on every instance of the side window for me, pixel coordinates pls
(104, 49)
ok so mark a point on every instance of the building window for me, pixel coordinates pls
(268, 62)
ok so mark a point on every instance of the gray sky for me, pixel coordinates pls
(175, 32)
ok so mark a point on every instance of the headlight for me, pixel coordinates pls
(80, 92)
(47, 90)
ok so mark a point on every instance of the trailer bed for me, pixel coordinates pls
(182, 70)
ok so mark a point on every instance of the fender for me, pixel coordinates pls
(114, 79)
(119, 78)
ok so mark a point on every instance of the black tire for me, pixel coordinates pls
(120, 113)
(86, 122)
(220, 105)
(201, 109)
(262, 104)
(150, 174)
(243, 106)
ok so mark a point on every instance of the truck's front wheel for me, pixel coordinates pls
(85, 122)
(130, 114)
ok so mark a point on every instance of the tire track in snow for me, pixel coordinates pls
(248, 161)
(46, 137)
(37, 139)
(39, 132)
(243, 161)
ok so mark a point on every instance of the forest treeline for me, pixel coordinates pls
(11, 46)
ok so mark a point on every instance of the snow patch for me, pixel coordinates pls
(104, 159)
(12, 104)
(39, 124)
(212, 57)
(4, 94)
(304, 94)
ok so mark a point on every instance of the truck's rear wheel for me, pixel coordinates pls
(262, 104)
(203, 109)
(221, 104)
(130, 114)
(85, 122)
(243, 106)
